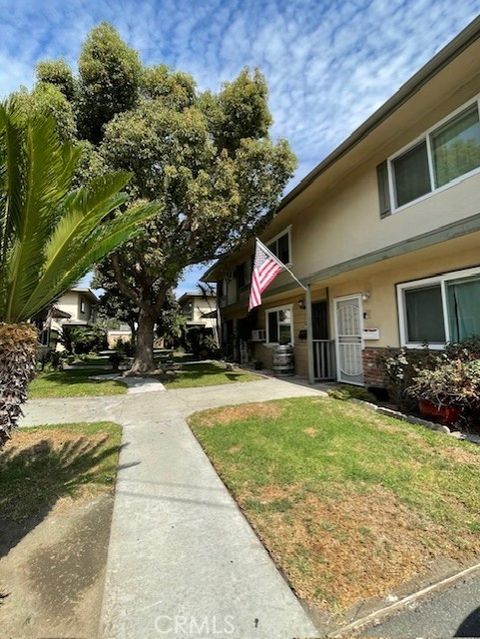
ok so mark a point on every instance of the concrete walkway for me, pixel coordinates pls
(183, 561)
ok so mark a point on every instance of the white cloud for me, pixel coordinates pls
(329, 63)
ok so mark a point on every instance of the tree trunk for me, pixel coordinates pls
(143, 361)
(18, 350)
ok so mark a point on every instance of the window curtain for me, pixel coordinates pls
(463, 309)
(456, 147)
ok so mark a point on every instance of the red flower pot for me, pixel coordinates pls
(443, 414)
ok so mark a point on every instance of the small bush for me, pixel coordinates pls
(85, 339)
(346, 392)
(116, 359)
(467, 350)
(125, 347)
(455, 384)
(400, 367)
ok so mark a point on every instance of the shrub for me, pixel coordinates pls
(345, 392)
(454, 383)
(125, 347)
(85, 339)
(116, 359)
(467, 350)
(18, 345)
(400, 367)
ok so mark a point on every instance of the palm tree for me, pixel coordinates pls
(49, 238)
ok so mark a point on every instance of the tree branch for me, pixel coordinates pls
(123, 284)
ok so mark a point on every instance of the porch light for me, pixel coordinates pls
(301, 304)
(366, 296)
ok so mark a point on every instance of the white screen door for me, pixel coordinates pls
(348, 330)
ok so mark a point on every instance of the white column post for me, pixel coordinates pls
(310, 353)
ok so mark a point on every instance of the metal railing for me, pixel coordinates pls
(324, 359)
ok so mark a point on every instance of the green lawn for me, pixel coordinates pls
(42, 464)
(211, 374)
(72, 383)
(349, 503)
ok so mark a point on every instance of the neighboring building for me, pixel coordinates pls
(117, 335)
(76, 307)
(199, 309)
(385, 232)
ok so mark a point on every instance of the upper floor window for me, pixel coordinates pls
(443, 154)
(411, 174)
(82, 306)
(280, 246)
(242, 274)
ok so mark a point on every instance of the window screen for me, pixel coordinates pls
(411, 174)
(424, 313)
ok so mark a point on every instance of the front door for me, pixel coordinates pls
(348, 330)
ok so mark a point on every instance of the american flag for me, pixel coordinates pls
(266, 267)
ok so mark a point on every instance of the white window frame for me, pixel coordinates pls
(285, 307)
(83, 306)
(429, 281)
(286, 231)
(426, 136)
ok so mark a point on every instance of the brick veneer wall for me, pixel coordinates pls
(372, 369)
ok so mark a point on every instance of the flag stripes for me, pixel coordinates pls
(266, 267)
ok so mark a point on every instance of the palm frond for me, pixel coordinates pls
(48, 236)
(41, 197)
(74, 257)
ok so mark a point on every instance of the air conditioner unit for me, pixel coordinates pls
(259, 335)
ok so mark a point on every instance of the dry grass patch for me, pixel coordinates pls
(337, 551)
(231, 414)
(351, 504)
(42, 465)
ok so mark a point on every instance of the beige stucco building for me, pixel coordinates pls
(384, 233)
(76, 307)
(199, 309)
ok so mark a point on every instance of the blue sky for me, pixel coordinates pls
(329, 64)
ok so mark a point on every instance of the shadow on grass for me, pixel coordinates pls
(197, 371)
(33, 478)
(74, 378)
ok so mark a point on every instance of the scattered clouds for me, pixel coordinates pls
(329, 63)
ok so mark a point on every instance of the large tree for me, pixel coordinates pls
(206, 157)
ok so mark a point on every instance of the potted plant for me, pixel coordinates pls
(449, 391)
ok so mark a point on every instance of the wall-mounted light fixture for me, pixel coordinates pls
(366, 296)
(301, 303)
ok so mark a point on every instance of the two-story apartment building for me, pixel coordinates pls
(384, 232)
(199, 308)
(76, 307)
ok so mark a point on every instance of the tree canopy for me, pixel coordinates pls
(205, 157)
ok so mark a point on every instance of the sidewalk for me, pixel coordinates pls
(183, 561)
